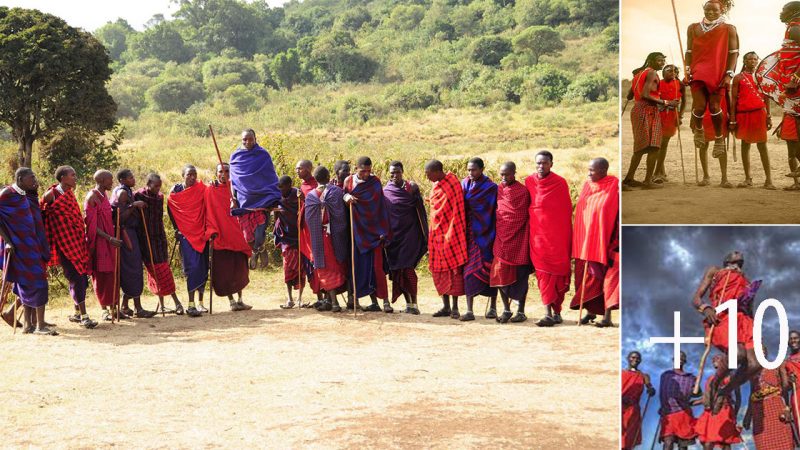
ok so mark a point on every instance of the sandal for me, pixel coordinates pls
(288, 305)
(411, 310)
(45, 332)
(745, 184)
(632, 183)
(557, 319)
(372, 308)
(726, 185)
(144, 314)
(589, 317)
(545, 321)
(244, 306)
(387, 308)
(519, 317)
(604, 324)
(454, 314)
(88, 323)
(491, 314)
(505, 317)
(704, 182)
(468, 316)
(336, 308)
(179, 309)
(769, 187)
(127, 311)
(28, 330)
(74, 318)
(442, 313)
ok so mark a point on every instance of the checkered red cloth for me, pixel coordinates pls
(66, 232)
(159, 279)
(511, 240)
(447, 241)
(769, 432)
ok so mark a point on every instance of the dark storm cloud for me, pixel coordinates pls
(662, 267)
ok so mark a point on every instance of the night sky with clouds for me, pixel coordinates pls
(661, 269)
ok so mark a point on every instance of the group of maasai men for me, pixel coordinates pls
(340, 234)
(723, 101)
(773, 409)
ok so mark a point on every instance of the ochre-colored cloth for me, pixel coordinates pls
(65, 230)
(550, 223)
(632, 389)
(160, 280)
(769, 432)
(751, 111)
(669, 90)
(220, 221)
(637, 84)
(447, 241)
(710, 56)
(592, 289)
(449, 282)
(596, 220)
(291, 266)
(719, 428)
(789, 128)
(105, 287)
(331, 277)
(511, 239)
(188, 212)
(305, 238)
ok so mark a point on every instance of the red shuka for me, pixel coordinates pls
(710, 56)
(304, 238)
(632, 389)
(188, 211)
(595, 219)
(550, 216)
(730, 284)
(638, 84)
(792, 365)
(669, 90)
(511, 238)
(751, 113)
(65, 230)
(719, 428)
(447, 240)
(220, 221)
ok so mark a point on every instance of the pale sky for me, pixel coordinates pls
(649, 25)
(92, 14)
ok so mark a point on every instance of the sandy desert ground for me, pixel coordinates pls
(690, 204)
(299, 378)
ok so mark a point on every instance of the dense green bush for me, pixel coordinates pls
(356, 110)
(489, 50)
(411, 96)
(589, 86)
(174, 94)
(549, 84)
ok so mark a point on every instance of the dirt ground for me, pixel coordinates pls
(299, 378)
(690, 204)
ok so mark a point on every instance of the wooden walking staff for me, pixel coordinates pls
(707, 350)
(655, 437)
(118, 275)
(353, 262)
(216, 147)
(152, 264)
(299, 255)
(583, 290)
(795, 394)
(4, 283)
(685, 71)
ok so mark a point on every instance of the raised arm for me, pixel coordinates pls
(697, 301)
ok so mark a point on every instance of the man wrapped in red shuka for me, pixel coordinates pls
(750, 119)
(511, 266)
(231, 273)
(447, 241)
(672, 91)
(778, 78)
(634, 383)
(103, 246)
(712, 50)
(730, 283)
(63, 224)
(717, 424)
(550, 220)
(792, 367)
(595, 245)
(646, 120)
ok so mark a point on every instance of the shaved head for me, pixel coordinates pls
(601, 164)
(306, 164)
(102, 174)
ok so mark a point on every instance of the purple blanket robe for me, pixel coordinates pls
(337, 218)
(480, 200)
(409, 224)
(254, 179)
(22, 218)
(285, 230)
(371, 216)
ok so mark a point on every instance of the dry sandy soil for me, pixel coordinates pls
(690, 204)
(299, 378)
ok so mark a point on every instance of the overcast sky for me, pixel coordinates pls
(649, 25)
(92, 14)
(661, 269)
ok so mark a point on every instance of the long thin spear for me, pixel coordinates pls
(152, 264)
(216, 147)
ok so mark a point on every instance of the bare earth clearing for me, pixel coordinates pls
(299, 378)
(689, 204)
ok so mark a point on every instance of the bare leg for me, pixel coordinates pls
(661, 171)
(748, 178)
(650, 164)
(636, 158)
(492, 312)
(469, 314)
(762, 151)
(704, 164)
(723, 167)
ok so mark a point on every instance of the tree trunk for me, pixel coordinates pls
(28, 157)
(24, 151)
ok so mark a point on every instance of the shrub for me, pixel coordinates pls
(489, 50)
(589, 86)
(412, 96)
(175, 94)
(354, 109)
(84, 150)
